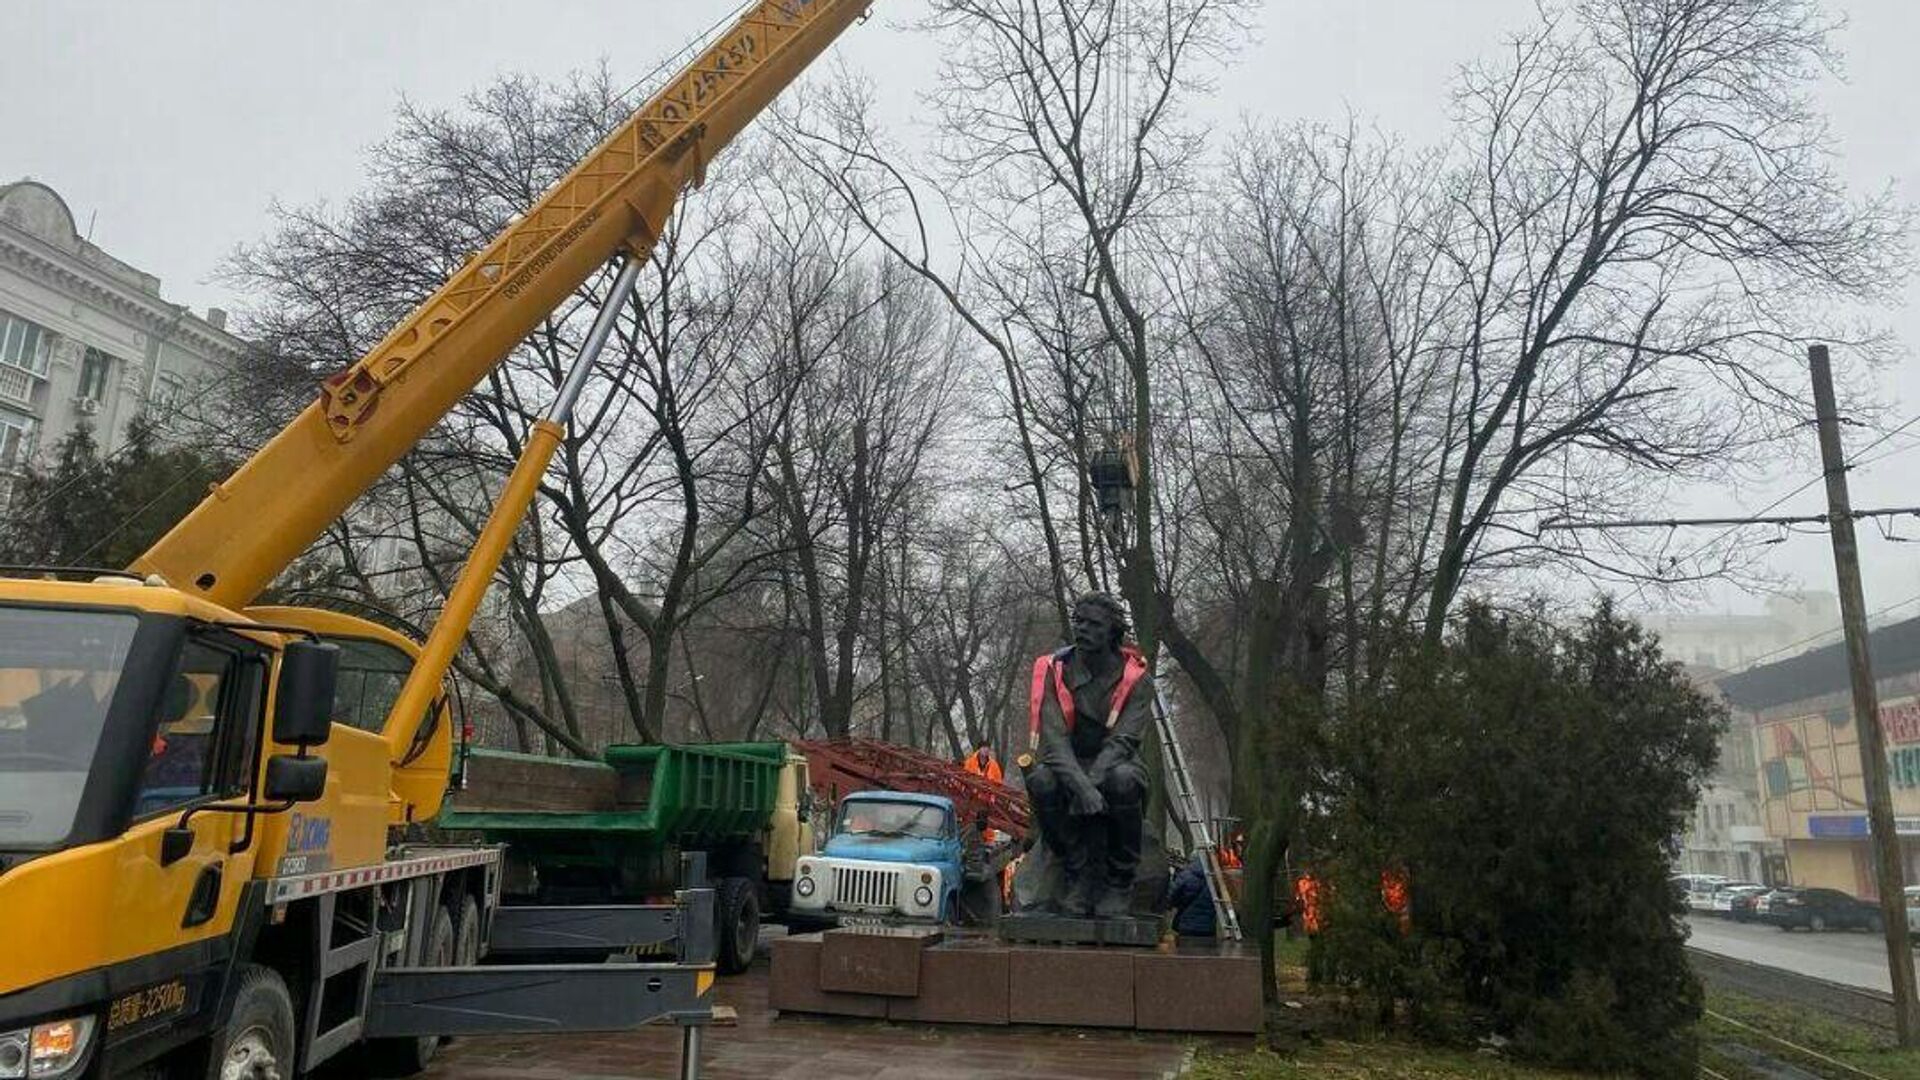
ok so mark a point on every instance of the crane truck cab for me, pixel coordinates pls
(206, 849)
(894, 856)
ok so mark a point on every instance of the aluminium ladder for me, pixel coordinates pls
(1189, 808)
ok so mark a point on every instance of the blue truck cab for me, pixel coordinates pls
(894, 856)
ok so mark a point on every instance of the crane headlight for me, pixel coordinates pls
(50, 1050)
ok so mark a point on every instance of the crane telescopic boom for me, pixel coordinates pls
(251, 526)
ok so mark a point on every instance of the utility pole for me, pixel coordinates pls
(1866, 704)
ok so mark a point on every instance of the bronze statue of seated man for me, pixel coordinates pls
(1088, 787)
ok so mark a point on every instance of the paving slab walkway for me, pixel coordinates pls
(761, 1047)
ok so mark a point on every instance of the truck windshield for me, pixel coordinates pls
(873, 818)
(58, 671)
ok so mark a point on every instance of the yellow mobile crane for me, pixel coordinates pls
(204, 866)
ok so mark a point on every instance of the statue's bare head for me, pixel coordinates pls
(1099, 623)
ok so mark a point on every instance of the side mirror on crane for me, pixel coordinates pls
(303, 718)
(295, 779)
(303, 707)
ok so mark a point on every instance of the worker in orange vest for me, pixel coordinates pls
(982, 763)
(1399, 901)
(1306, 893)
(1230, 850)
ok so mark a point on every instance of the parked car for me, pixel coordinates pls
(1721, 902)
(1820, 909)
(1696, 890)
(1746, 906)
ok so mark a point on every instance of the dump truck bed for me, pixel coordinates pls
(655, 794)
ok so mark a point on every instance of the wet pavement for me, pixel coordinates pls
(761, 1045)
(1852, 957)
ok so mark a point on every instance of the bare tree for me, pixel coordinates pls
(1646, 213)
(652, 482)
(849, 458)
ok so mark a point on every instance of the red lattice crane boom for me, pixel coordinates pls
(841, 767)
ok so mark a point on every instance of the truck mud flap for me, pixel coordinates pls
(593, 928)
(535, 999)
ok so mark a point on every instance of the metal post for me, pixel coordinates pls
(690, 1051)
(1866, 706)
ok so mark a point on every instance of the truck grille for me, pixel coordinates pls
(855, 887)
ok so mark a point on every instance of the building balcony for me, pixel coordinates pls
(16, 386)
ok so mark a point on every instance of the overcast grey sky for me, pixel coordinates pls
(173, 124)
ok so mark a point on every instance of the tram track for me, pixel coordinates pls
(1840, 1000)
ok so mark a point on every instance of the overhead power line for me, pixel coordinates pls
(1734, 522)
(1859, 459)
(1830, 631)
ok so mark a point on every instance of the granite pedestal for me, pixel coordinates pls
(974, 978)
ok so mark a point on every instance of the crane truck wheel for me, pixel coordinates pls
(466, 933)
(407, 1055)
(737, 922)
(257, 1043)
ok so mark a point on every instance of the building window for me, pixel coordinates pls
(166, 390)
(16, 440)
(23, 344)
(94, 368)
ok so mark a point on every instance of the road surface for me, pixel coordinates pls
(1853, 957)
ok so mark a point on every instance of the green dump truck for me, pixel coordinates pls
(592, 839)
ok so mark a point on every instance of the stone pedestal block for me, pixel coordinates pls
(795, 985)
(874, 960)
(1125, 930)
(1076, 987)
(957, 986)
(1197, 992)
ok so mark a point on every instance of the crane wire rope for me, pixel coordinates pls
(676, 59)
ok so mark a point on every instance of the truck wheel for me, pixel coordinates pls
(257, 1043)
(408, 1055)
(737, 923)
(466, 933)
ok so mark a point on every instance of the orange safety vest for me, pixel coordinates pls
(1133, 667)
(1394, 893)
(991, 770)
(1306, 891)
